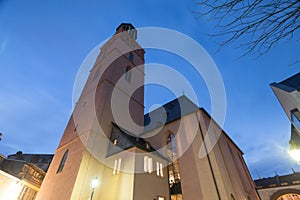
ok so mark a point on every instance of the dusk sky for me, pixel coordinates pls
(43, 43)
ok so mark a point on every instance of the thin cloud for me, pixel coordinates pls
(3, 45)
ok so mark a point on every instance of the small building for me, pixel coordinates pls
(286, 187)
(40, 160)
(19, 180)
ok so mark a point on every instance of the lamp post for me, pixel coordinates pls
(95, 182)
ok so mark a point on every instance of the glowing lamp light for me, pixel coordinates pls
(295, 154)
(95, 183)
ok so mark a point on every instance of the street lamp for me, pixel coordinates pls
(295, 145)
(95, 182)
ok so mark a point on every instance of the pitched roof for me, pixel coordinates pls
(293, 82)
(126, 140)
(290, 84)
(169, 112)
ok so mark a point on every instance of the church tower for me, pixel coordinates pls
(111, 103)
(135, 156)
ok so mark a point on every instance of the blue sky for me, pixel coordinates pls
(43, 43)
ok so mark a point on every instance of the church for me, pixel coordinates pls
(111, 150)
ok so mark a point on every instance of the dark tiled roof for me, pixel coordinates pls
(41, 160)
(169, 112)
(293, 82)
(290, 179)
(126, 140)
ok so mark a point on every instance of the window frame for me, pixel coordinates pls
(63, 162)
(128, 74)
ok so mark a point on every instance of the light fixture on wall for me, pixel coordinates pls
(95, 182)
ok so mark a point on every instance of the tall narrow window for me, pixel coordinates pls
(173, 168)
(63, 161)
(148, 164)
(159, 169)
(117, 166)
(128, 73)
(131, 56)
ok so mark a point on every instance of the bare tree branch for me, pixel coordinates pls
(266, 22)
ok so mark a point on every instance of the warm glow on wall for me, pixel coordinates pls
(295, 154)
(13, 191)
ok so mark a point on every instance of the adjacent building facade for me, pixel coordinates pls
(40, 160)
(288, 94)
(156, 157)
(286, 187)
(19, 180)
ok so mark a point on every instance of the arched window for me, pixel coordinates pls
(128, 73)
(63, 161)
(173, 168)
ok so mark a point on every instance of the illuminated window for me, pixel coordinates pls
(128, 73)
(62, 162)
(159, 169)
(147, 146)
(173, 169)
(117, 166)
(27, 193)
(161, 198)
(289, 196)
(148, 164)
(115, 141)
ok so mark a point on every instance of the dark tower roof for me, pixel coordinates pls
(121, 27)
(128, 28)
